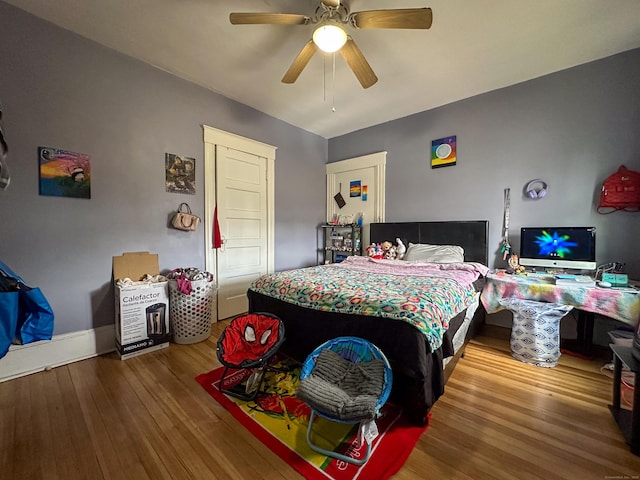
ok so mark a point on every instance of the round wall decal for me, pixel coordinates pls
(443, 151)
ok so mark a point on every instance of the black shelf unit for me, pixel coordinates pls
(628, 421)
(340, 241)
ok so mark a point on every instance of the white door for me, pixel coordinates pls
(241, 192)
(239, 182)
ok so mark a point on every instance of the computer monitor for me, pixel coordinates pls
(558, 247)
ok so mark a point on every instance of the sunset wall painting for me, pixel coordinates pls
(63, 173)
(355, 189)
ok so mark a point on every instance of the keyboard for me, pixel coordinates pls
(581, 280)
(539, 274)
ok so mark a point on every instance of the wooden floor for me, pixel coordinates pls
(147, 418)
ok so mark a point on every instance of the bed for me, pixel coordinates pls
(417, 355)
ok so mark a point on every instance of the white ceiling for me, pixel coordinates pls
(474, 46)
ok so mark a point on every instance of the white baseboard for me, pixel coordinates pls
(60, 350)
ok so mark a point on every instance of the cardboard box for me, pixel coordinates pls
(142, 310)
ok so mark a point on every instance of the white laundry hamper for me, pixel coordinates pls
(535, 334)
(192, 315)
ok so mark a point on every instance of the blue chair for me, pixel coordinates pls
(346, 380)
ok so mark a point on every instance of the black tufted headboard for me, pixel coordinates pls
(470, 235)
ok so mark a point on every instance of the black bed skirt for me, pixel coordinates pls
(418, 375)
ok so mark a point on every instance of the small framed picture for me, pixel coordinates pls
(64, 173)
(180, 174)
(443, 152)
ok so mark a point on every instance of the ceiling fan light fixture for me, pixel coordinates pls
(329, 38)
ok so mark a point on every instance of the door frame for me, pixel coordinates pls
(213, 137)
(377, 162)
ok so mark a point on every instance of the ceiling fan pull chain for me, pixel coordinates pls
(333, 87)
(324, 78)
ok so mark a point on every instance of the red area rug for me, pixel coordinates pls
(279, 420)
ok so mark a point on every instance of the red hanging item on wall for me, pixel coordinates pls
(620, 191)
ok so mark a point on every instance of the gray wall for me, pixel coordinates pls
(572, 129)
(63, 91)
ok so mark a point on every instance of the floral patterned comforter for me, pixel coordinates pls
(423, 295)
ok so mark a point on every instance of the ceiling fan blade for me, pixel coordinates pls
(358, 64)
(300, 62)
(268, 19)
(398, 18)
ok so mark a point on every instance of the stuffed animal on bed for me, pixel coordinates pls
(400, 249)
(383, 251)
(374, 251)
(388, 250)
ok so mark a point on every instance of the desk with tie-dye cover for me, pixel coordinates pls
(622, 305)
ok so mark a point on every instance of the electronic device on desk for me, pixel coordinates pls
(612, 273)
(558, 247)
(616, 279)
(575, 280)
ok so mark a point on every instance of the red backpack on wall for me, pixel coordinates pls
(620, 191)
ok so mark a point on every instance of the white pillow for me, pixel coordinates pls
(423, 252)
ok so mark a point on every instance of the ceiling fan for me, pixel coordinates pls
(329, 36)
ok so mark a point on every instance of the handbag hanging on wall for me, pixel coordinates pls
(184, 219)
(620, 191)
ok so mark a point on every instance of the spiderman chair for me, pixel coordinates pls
(346, 380)
(248, 343)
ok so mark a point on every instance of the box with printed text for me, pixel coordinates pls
(142, 308)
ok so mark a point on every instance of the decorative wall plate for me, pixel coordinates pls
(443, 151)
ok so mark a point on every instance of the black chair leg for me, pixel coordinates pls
(239, 390)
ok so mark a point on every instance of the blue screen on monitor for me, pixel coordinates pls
(565, 247)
